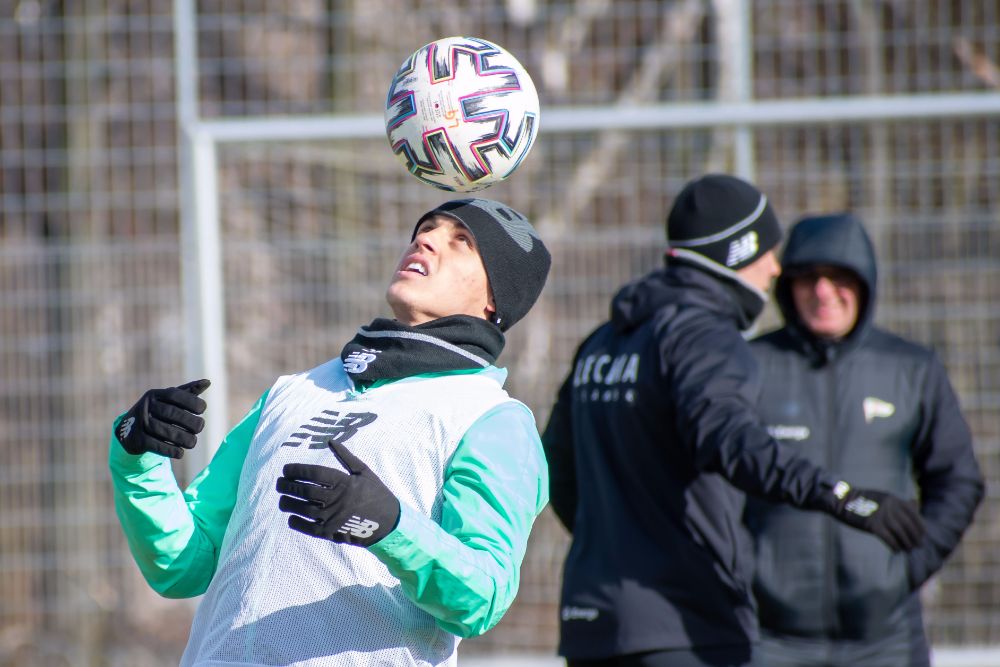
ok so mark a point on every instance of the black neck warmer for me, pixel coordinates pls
(389, 350)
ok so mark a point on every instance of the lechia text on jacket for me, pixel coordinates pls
(607, 379)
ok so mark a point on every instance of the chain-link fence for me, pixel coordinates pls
(91, 306)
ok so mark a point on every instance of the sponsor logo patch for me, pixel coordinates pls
(876, 408)
(570, 613)
(788, 431)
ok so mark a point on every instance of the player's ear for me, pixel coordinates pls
(490, 312)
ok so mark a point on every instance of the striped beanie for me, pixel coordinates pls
(517, 262)
(723, 219)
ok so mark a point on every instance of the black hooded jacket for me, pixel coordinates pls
(651, 433)
(877, 410)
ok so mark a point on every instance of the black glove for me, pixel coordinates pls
(164, 421)
(895, 521)
(353, 507)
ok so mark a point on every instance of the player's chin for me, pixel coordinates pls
(401, 294)
(409, 308)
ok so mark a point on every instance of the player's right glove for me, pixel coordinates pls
(895, 521)
(164, 421)
(352, 507)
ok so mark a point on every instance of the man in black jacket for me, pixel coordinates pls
(654, 438)
(879, 410)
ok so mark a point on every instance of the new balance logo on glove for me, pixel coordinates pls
(857, 504)
(125, 428)
(359, 527)
(323, 501)
(895, 521)
(862, 506)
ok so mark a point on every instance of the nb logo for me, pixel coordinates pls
(125, 428)
(357, 362)
(359, 527)
(329, 426)
(862, 506)
(742, 248)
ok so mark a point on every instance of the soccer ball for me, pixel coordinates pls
(461, 114)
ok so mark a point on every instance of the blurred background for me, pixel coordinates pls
(191, 188)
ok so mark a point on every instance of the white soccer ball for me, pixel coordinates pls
(461, 114)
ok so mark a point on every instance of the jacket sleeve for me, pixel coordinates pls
(175, 536)
(465, 571)
(557, 441)
(716, 383)
(950, 482)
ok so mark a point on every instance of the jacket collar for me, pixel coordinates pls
(682, 283)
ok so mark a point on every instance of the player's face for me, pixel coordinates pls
(762, 272)
(827, 299)
(440, 274)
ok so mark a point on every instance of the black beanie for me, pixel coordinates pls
(724, 219)
(517, 262)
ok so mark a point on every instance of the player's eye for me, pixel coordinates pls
(425, 227)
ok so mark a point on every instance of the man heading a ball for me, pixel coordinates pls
(376, 508)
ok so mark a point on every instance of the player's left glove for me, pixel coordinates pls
(352, 507)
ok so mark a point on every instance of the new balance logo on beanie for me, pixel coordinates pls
(742, 248)
(724, 220)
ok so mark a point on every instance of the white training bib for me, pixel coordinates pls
(280, 597)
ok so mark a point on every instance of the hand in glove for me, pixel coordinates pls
(164, 421)
(352, 507)
(895, 521)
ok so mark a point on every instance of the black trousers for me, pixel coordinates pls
(727, 656)
(895, 649)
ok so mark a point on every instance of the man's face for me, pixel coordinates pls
(762, 272)
(827, 300)
(440, 274)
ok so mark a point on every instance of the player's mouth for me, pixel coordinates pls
(414, 265)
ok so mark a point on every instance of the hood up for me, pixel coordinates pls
(833, 240)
